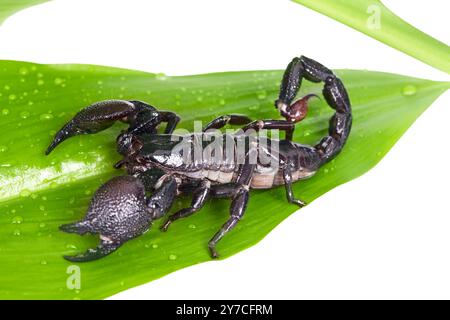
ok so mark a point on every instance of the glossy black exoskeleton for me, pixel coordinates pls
(121, 209)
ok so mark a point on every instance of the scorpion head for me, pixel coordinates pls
(144, 152)
(152, 150)
(128, 143)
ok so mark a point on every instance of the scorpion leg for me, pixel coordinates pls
(162, 199)
(239, 191)
(200, 196)
(282, 125)
(297, 69)
(171, 119)
(150, 178)
(146, 119)
(239, 194)
(297, 112)
(99, 116)
(289, 192)
(120, 211)
(222, 121)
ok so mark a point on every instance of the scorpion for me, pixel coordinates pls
(121, 209)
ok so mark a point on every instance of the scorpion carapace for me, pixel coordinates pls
(125, 207)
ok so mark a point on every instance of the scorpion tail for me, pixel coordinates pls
(335, 94)
(340, 123)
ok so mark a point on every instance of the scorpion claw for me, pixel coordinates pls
(81, 227)
(67, 131)
(95, 118)
(102, 250)
(118, 213)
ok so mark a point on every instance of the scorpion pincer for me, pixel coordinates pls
(125, 207)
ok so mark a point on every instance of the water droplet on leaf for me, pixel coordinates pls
(25, 193)
(17, 220)
(262, 95)
(172, 257)
(161, 76)
(23, 71)
(46, 116)
(24, 114)
(409, 90)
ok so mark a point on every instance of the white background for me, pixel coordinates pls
(384, 235)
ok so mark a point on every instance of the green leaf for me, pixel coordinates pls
(38, 193)
(9, 7)
(372, 18)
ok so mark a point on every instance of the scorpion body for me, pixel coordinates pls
(157, 152)
(121, 210)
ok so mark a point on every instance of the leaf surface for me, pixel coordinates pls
(9, 7)
(39, 193)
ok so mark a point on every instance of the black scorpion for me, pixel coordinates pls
(121, 210)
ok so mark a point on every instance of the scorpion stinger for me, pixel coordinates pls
(141, 117)
(293, 112)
